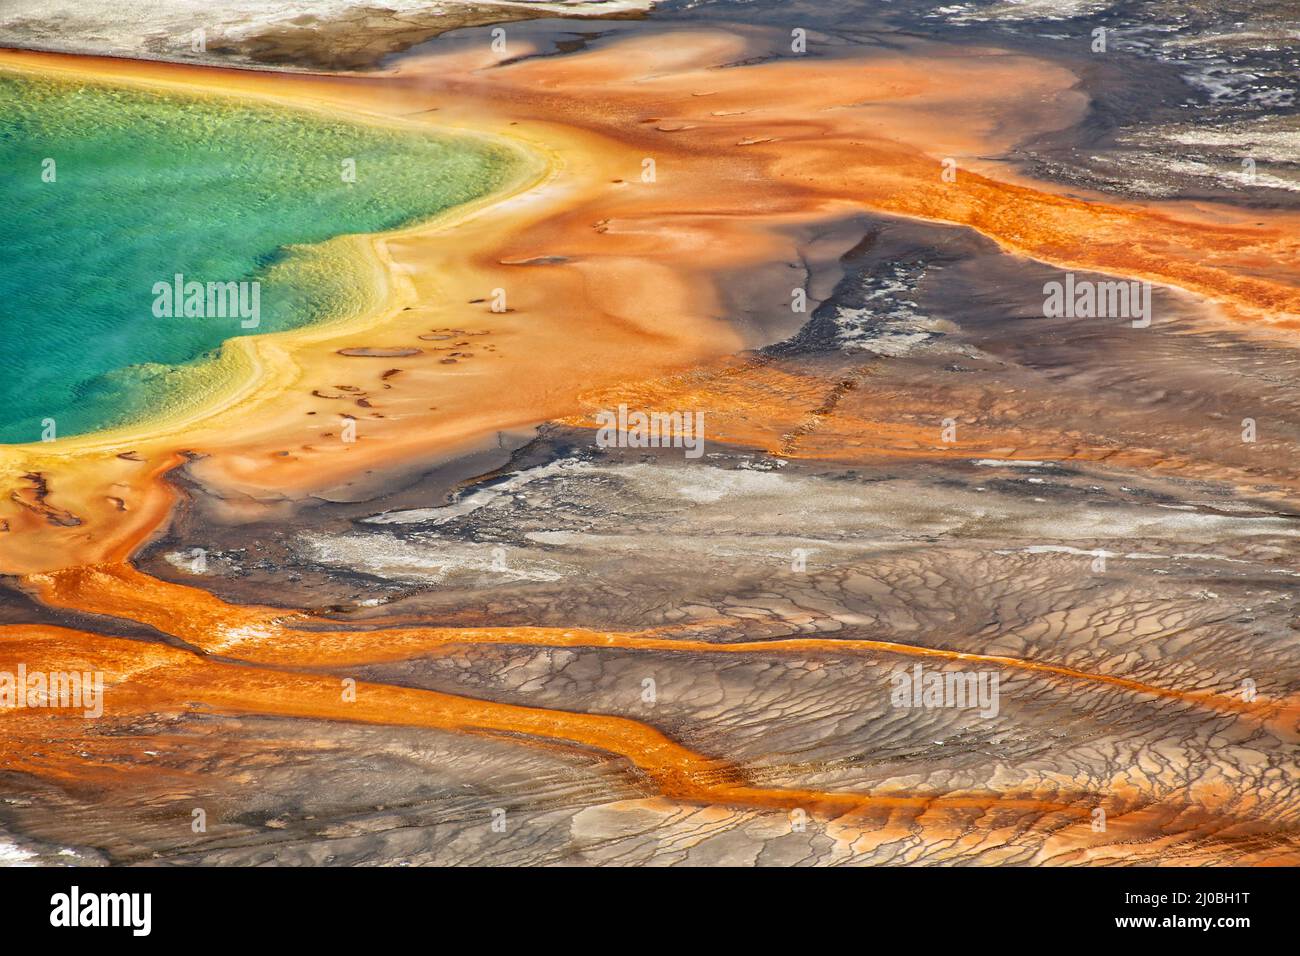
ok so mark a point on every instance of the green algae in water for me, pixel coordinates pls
(148, 185)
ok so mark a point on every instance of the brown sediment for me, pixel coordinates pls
(610, 279)
(362, 352)
(33, 498)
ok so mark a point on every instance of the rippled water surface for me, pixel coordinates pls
(108, 191)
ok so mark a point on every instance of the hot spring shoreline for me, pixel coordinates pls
(229, 375)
